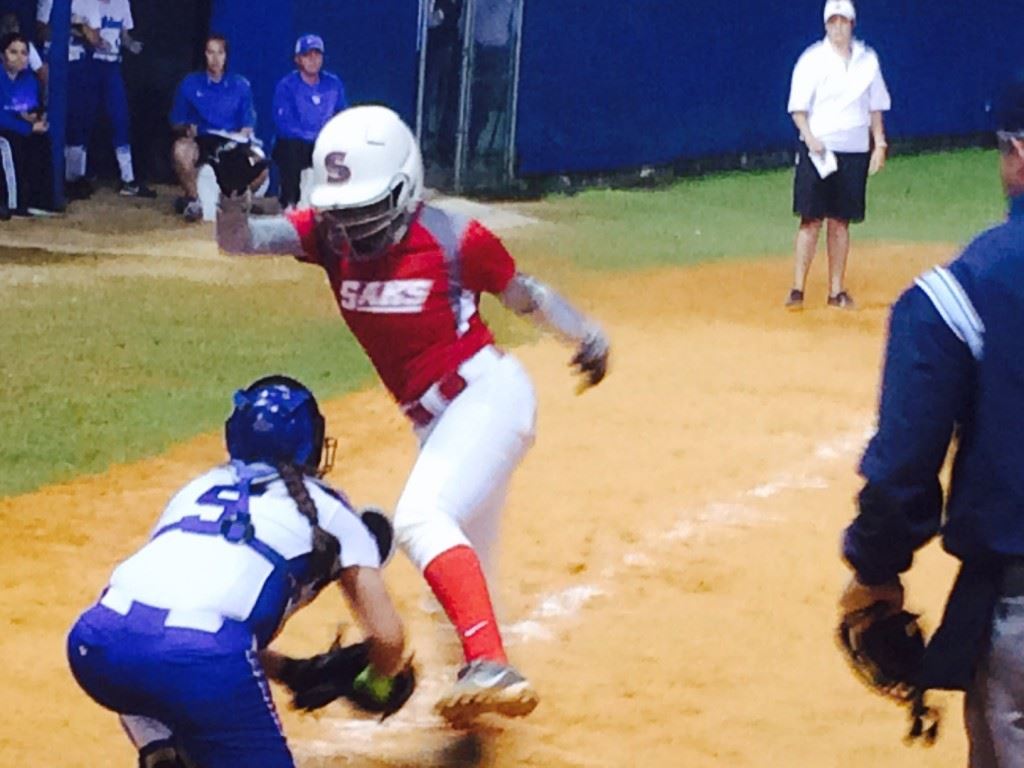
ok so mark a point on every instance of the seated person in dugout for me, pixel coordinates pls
(304, 100)
(9, 25)
(209, 109)
(26, 164)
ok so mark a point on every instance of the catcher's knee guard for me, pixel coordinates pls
(164, 754)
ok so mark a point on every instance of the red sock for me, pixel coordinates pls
(458, 584)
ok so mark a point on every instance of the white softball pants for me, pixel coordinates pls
(456, 490)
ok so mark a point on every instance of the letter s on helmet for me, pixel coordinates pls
(367, 178)
(276, 419)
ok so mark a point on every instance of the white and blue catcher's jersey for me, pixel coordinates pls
(205, 558)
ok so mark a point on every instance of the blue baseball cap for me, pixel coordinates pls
(308, 43)
(1010, 107)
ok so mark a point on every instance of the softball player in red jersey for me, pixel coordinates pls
(407, 278)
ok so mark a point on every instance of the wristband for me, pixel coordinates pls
(372, 682)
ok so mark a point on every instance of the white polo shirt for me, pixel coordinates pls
(839, 95)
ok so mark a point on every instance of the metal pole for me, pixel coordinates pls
(465, 91)
(421, 46)
(57, 109)
(514, 107)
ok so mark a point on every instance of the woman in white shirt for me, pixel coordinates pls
(837, 97)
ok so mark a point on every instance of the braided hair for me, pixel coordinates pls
(326, 547)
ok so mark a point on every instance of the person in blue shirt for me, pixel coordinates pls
(176, 645)
(304, 100)
(954, 373)
(26, 167)
(210, 109)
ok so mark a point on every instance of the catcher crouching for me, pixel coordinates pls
(177, 643)
(954, 373)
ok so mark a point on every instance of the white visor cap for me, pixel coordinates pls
(842, 8)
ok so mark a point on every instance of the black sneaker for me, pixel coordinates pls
(795, 300)
(193, 211)
(132, 189)
(842, 300)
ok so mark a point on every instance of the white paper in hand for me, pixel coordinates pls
(825, 163)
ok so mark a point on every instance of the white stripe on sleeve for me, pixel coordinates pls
(10, 175)
(954, 307)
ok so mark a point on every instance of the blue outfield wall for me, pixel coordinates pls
(613, 85)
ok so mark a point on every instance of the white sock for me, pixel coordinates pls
(74, 163)
(124, 162)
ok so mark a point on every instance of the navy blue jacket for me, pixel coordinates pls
(954, 372)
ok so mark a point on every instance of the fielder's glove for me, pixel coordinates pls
(345, 672)
(591, 359)
(885, 651)
(237, 165)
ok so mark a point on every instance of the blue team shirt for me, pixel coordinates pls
(301, 110)
(224, 105)
(954, 369)
(16, 96)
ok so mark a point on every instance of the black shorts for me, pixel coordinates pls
(208, 144)
(840, 196)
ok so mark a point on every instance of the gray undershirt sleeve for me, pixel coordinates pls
(240, 233)
(531, 298)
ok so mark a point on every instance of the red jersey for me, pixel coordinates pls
(415, 309)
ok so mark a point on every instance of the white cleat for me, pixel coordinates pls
(487, 687)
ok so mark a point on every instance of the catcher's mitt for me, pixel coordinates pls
(237, 165)
(345, 672)
(885, 652)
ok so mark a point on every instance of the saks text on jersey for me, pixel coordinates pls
(385, 296)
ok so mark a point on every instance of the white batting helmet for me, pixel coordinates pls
(367, 177)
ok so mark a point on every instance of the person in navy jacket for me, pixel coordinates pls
(304, 100)
(954, 373)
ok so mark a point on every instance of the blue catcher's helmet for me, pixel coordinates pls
(276, 419)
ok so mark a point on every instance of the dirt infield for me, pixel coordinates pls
(668, 562)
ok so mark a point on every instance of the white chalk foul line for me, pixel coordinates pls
(740, 511)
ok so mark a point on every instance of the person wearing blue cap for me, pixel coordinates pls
(304, 100)
(954, 372)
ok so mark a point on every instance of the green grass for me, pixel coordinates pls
(936, 197)
(99, 369)
(114, 370)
